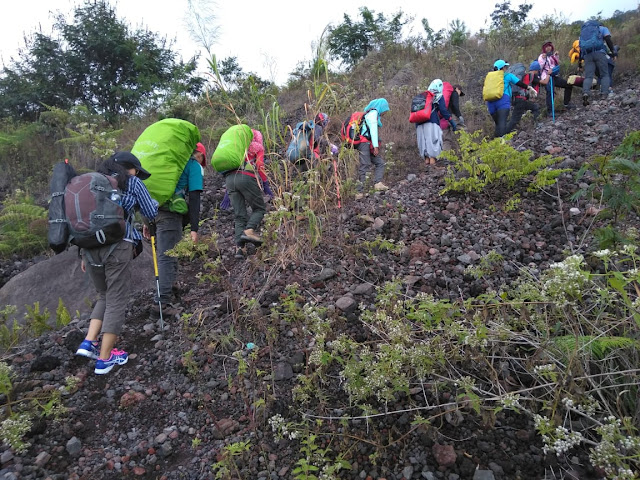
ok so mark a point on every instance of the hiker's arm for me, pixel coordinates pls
(522, 85)
(454, 104)
(194, 210)
(148, 206)
(442, 107)
(610, 45)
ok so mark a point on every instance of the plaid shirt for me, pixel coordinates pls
(137, 195)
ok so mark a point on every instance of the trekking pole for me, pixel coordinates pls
(152, 229)
(553, 107)
(335, 171)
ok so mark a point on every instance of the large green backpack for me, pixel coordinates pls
(232, 148)
(164, 149)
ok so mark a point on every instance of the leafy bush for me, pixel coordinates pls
(23, 226)
(494, 161)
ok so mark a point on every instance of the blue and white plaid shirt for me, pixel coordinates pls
(137, 195)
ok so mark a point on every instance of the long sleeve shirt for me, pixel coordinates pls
(370, 127)
(137, 195)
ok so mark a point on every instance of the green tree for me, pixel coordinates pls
(351, 41)
(457, 33)
(99, 62)
(433, 38)
(503, 16)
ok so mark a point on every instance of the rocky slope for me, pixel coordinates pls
(179, 401)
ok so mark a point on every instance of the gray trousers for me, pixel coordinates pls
(366, 159)
(591, 61)
(110, 273)
(244, 191)
(429, 139)
(168, 234)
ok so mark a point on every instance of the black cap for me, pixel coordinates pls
(129, 160)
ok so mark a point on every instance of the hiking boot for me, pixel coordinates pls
(380, 187)
(88, 349)
(585, 100)
(569, 107)
(117, 357)
(240, 254)
(250, 236)
(359, 196)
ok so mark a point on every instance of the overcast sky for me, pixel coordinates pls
(269, 38)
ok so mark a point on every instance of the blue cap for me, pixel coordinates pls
(534, 65)
(500, 64)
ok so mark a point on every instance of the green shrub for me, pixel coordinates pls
(486, 162)
(23, 226)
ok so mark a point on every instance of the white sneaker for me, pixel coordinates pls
(380, 187)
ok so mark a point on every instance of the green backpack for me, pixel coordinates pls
(232, 148)
(164, 149)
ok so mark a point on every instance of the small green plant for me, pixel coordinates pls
(23, 226)
(62, 315)
(192, 367)
(35, 320)
(486, 162)
(10, 330)
(189, 250)
(381, 244)
(226, 467)
(513, 203)
(489, 263)
(195, 442)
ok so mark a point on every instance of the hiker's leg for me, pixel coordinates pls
(239, 206)
(97, 276)
(549, 95)
(169, 233)
(447, 139)
(421, 137)
(501, 127)
(562, 83)
(519, 107)
(495, 120)
(379, 164)
(365, 164)
(253, 196)
(589, 72)
(118, 275)
(600, 60)
(534, 108)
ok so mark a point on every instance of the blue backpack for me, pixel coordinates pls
(300, 147)
(591, 37)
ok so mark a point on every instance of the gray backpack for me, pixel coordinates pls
(519, 70)
(93, 211)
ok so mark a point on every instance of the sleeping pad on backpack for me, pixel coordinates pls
(164, 149)
(58, 233)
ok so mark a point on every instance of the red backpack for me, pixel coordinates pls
(421, 107)
(350, 131)
(447, 90)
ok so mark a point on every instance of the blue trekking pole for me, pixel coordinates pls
(553, 107)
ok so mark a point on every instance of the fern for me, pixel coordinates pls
(599, 347)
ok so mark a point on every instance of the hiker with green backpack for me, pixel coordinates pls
(240, 158)
(497, 93)
(109, 265)
(170, 151)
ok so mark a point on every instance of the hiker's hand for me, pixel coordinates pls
(461, 121)
(376, 151)
(145, 232)
(334, 149)
(532, 91)
(267, 188)
(454, 127)
(194, 237)
(83, 267)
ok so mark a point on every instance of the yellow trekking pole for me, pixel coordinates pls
(152, 230)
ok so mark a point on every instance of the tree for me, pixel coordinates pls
(504, 17)
(433, 38)
(98, 62)
(457, 32)
(352, 41)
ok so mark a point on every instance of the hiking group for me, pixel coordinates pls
(162, 177)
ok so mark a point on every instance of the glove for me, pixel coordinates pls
(454, 127)
(461, 121)
(532, 91)
(226, 201)
(267, 188)
(334, 149)
(555, 70)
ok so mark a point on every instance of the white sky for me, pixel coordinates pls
(268, 37)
